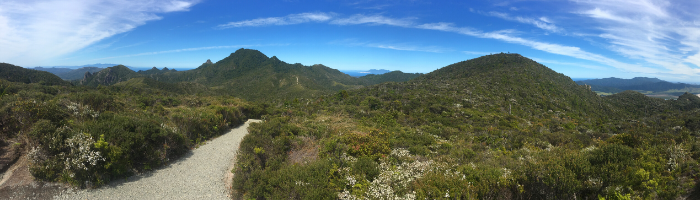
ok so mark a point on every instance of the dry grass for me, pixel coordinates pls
(303, 151)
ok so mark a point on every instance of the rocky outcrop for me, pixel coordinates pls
(86, 77)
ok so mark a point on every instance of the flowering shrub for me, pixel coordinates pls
(81, 111)
(395, 173)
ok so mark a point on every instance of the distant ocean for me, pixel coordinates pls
(359, 73)
(581, 79)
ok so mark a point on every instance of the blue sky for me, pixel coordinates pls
(579, 38)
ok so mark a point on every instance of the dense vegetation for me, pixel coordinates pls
(88, 136)
(495, 127)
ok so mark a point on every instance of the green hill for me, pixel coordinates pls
(155, 70)
(109, 76)
(495, 127)
(19, 74)
(251, 75)
(395, 76)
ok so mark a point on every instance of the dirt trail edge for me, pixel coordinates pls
(203, 173)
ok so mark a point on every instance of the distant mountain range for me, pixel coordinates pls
(77, 72)
(359, 73)
(615, 85)
(251, 75)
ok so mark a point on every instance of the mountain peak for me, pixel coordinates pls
(250, 53)
(208, 62)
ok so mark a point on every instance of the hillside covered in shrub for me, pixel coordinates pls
(495, 127)
(19, 74)
(88, 136)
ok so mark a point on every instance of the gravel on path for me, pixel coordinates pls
(199, 174)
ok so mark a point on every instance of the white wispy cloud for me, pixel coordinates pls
(373, 20)
(571, 51)
(542, 22)
(393, 46)
(663, 33)
(502, 35)
(176, 51)
(36, 31)
(287, 20)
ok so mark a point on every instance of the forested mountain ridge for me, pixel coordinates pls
(495, 127)
(19, 74)
(78, 74)
(108, 76)
(251, 75)
(394, 76)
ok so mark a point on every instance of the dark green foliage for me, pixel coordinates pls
(18, 74)
(366, 167)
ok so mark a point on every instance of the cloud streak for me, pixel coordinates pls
(287, 20)
(644, 29)
(32, 32)
(186, 50)
(174, 51)
(373, 20)
(542, 22)
(660, 32)
(392, 46)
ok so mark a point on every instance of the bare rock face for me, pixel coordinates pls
(87, 76)
(208, 62)
(110, 77)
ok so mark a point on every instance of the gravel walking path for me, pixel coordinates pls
(200, 174)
